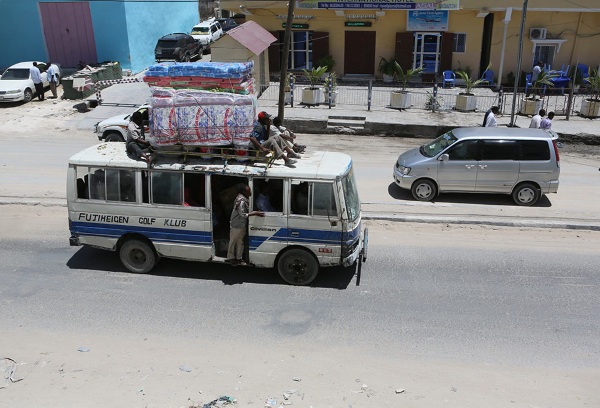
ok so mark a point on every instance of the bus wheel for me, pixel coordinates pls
(298, 267)
(137, 256)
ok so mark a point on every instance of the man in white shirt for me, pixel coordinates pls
(51, 72)
(537, 119)
(490, 119)
(36, 77)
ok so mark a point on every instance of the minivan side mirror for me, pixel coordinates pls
(444, 157)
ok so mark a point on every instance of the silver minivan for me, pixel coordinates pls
(500, 160)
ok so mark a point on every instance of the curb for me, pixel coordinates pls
(519, 223)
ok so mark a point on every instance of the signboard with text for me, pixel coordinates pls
(427, 20)
(380, 4)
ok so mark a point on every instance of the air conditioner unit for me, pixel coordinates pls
(537, 33)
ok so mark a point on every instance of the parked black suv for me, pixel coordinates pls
(178, 47)
(227, 23)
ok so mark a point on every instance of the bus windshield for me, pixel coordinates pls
(351, 195)
(435, 147)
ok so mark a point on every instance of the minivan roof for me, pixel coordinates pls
(504, 132)
(206, 22)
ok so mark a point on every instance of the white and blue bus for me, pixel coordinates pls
(180, 208)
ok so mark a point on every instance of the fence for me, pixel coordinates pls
(368, 97)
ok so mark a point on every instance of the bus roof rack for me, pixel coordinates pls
(224, 153)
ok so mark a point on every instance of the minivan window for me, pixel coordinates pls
(535, 150)
(498, 150)
(435, 147)
(465, 150)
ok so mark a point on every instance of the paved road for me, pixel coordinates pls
(456, 316)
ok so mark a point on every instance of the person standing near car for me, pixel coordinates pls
(36, 77)
(51, 72)
(546, 123)
(489, 120)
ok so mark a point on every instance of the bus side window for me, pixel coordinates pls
(97, 188)
(194, 190)
(268, 195)
(145, 196)
(324, 199)
(167, 188)
(299, 201)
(82, 182)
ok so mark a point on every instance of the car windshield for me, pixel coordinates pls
(351, 195)
(435, 147)
(12, 74)
(200, 30)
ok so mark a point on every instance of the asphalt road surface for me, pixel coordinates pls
(455, 316)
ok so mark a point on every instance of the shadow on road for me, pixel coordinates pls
(398, 193)
(88, 258)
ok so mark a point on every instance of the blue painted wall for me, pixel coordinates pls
(126, 32)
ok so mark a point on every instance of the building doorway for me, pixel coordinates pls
(359, 53)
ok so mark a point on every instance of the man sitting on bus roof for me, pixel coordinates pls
(264, 141)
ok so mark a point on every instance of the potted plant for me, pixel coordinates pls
(387, 68)
(330, 83)
(401, 99)
(467, 101)
(590, 107)
(532, 105)
(312, 94)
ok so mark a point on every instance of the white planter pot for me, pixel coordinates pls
(531, 106)
(288, 98)
(400, 100)
(326, 97)
(590, 108)
(388, 79)
(466, 103)
(312, 96)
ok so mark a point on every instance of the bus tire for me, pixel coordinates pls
(137, 256)
(298, 267)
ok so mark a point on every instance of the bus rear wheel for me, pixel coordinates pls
(137, 256)
(298, 267)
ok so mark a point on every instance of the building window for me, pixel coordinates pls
(460, 42)
(544, 53)
(300, 50)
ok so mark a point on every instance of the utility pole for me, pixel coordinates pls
(519, 60)
(285, 57)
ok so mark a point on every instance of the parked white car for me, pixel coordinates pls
(16, 84)
(114, 129)
(207, 32)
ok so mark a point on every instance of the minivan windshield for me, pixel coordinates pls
(435, 147)
(200, 30)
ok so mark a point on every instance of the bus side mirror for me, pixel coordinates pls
(444, 157)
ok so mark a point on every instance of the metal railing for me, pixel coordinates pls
(437, 98)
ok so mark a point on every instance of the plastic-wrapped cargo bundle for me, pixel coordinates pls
(214, 119)
(163, 120)
(159, 70)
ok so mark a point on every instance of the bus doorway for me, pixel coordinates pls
(223, 191)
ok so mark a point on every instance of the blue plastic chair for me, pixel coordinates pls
(488, 76)
(585, 71)
(448, 77)
(528, 82)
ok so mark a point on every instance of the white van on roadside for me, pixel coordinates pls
(207, 32)
(521, 162)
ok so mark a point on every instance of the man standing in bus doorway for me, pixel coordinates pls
(238, 224)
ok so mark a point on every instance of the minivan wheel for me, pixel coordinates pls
(424, 190)
(526, 194)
